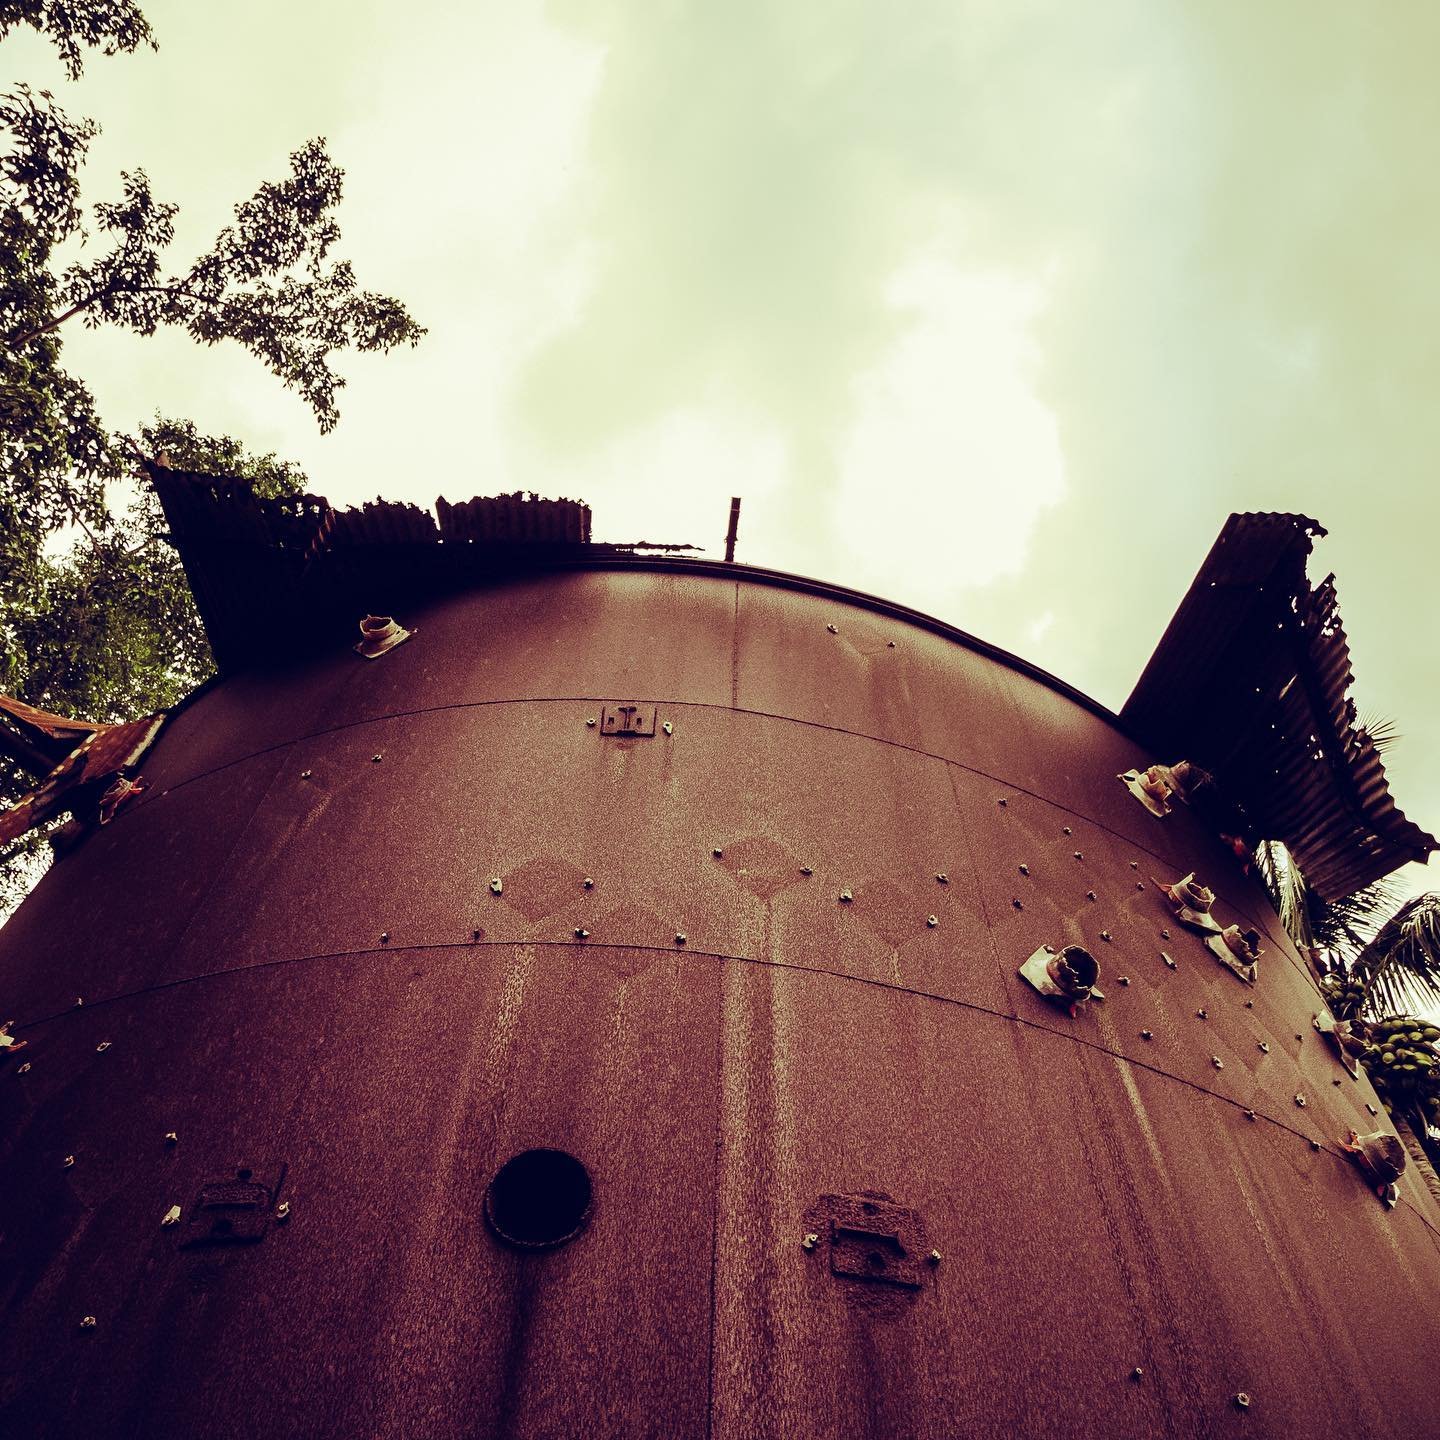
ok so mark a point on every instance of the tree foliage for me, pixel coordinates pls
(95, 617)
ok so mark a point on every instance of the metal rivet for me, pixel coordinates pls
(1242, 1400)
(475, 935)
(932, 921)
(1017, 904)
(87, 1322)
(171, 1138)
(102, 1047)
(591, 721)
(668, 728)
(1146, 1035)
(1164, 934)
(67, 1162)
(1264, 1047)
(282, 1211)
(1001, 802)
(1024, 869)
(1301, 1038)
(1334, 1082)
(846, 897)
(718, 853)
(806, 870)
(810, 1241)
(306, 774)
(497, 886)
(1066, 831)
(581, 933)
(941, 878)
(1169, 960)
(889, 644)
(587, 883)
(171, 1216)
(79, 1001)
(24, 1069)
(1089, 894)
(1106, 936)
(679, 937)
(832, 629)
(1249, 1114)
(1122, 979)
(1314, 1144)
(1139, 884)
(384, 937)
(1249, 1004)
(935, 1257)
(1137, 1373)
(1201, 1013)
(1079, 855)
(376, 759)
(1134, 864)
(1300, 1101)
(1217, 1062)
(1371, 1108)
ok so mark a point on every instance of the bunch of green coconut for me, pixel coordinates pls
(1400, 1058)
(1343, 995)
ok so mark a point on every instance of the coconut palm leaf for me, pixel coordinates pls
(1400, 966)
(1333, 932)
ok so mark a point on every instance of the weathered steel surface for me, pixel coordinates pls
(287, 969)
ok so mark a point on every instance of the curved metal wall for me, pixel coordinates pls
(279, 943)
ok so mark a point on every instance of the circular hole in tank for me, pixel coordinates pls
(539, 1198)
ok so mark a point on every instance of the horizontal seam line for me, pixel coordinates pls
(685, 951)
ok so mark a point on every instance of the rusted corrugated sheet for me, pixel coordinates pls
(1252, 681)
(295, 954)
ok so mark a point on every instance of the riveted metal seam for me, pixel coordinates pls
(1019, 789)
(389, 951)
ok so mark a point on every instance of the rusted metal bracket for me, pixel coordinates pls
(233, 1212)
(627, 719)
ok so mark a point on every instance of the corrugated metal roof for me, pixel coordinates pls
(1251, 680)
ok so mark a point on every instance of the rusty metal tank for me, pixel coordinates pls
(808, 1164)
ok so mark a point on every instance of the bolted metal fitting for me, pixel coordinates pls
(171, 1138)
(171, 1216)
(1249, 1004)
(1137, 1373)
(1334, 1082)
(591, 722)
(934, 1257)
(806, 870)
(1217, 1062)
(1300, 1101)
(1089, 894)
(1314, 1144)
(79, 1001)
(810, 1241)
(1264, 1046)
(1066, 830)
(846, 897)
(475, 935)
(1249, 1114)
(581, 933)
(1147, 1035)
(497, 886)
(1122, 979)
(1170, 963)
(718, 853)
(1134, 864)
(1106, 936)
(384, 937)
(1371, 1108)
(282, 1211)
(889, 644)
(832, 630)
(1001, 802)
(667, 727)
(679, 937)
(376, 758)
(67, 1162)
(102, 1047)
(587, 883)
(1079, 855)
(941, 878)
(1017, 904)
(1242, 1400)
(932, 921)
(1139, 884)
(88, 1322)
(306, 774)
(1024, 869)
(1202, 1014)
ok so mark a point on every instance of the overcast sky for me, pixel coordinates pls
(995, 309)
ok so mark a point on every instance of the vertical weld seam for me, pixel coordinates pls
(735, 653)
(715, 1183)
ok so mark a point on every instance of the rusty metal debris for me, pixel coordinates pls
(379, 634)
(1068, 977)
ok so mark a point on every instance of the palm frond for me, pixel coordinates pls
(1381, 729)
(1400, 966)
